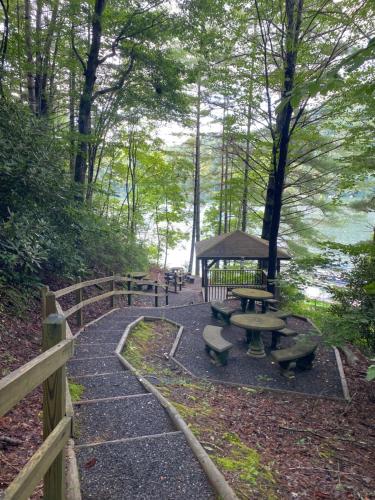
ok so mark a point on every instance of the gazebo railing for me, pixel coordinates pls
(236, 277)
(220, 282)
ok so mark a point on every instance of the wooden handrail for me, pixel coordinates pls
(111, 294)
(19, 383)
(86, 302)
(25, 482)
(49, 369)
(97, 281)
(81, 284)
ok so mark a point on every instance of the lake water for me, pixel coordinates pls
(352, 228)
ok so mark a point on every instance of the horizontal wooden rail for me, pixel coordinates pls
(25, 482)
(82, 284)
(22, 381)
(86, 302)
(126, 279)
(97, 281)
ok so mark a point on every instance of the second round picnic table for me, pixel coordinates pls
(254, 324)
(248, 297)
(138, 275)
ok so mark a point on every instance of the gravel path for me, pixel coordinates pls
(127, 447)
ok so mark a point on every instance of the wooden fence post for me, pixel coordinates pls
(79, 298)
(54, 331)
(156, 294)
(166, 295)
(43, 292)
(112, 287)
(50, 304)
(129, 289)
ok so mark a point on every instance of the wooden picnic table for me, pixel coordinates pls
(254, 324)
(248, 297)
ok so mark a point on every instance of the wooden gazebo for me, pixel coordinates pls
(234, 246)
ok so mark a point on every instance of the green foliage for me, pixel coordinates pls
(370, 373)
(353, 310)
(136, 344)
(243, 460)
(76, 391)
(42, 227)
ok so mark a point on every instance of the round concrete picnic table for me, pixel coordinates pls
(138, 275)
(254, 324)
(250, 295)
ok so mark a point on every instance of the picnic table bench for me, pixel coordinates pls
(284, 332)
(280, 314)
(223, 310)
(302, 353)
(216, 345)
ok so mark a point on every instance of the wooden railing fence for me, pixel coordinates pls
(220, 282)
(49, 369)
(176, 279)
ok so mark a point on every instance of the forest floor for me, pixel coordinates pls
(290, 446)
(271, 445)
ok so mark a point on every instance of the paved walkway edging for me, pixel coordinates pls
(215, 477)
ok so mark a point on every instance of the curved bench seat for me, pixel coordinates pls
(216, 345)
(302, 353)
(224, 310)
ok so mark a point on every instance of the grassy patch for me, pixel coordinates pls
(76, 391)
(242, 459)
(146, 345)
(137, 344)
(316, 310)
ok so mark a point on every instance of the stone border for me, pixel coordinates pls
(215, 477)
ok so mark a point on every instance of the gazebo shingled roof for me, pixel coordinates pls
(236, 245)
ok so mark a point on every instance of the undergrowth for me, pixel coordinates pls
(76, 391)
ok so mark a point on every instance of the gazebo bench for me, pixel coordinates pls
(302, 353)
(223, 310)
(216, 345)
(284, 332)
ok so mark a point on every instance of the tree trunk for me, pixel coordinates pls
(29, 58)
(268, 207)
(293, 18)
(226, 188)
(4, 42)
(86, 99)
(245, 193)
(72, 117)
(221, 204)
(43, 67)
(197, 173)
